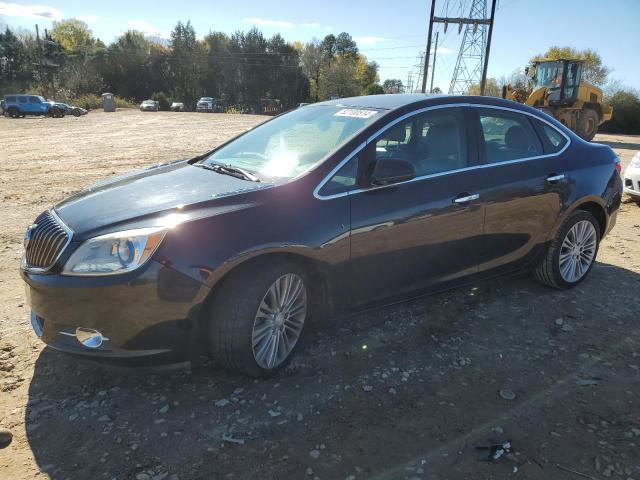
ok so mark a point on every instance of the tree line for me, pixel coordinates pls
(242, 68)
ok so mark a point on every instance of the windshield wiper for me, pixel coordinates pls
(229, 170)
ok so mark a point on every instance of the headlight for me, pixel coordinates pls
(635, 161)
(117, 252)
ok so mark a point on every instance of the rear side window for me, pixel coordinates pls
(553, 140)
(508, 136)
(10, 99)
(22, 99)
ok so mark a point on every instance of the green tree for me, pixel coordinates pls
(328, 47)
(491, 89)
(186, 62)
(124, 68)
(338, 79)
(312, 59)
(14, 59)
(73, 35)
(593, 71)
(373, 89)
(366, 72)
(345, 46)
(626, 111)
(392, 85)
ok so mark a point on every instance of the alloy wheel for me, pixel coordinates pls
(578, 251)
(279, 321)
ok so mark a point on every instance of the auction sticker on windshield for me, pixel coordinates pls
(355, 113)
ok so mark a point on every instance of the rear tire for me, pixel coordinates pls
(588, 121)
(13, 112)
(576, 244)
(254, 328)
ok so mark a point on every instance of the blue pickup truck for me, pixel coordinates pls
(21, 105)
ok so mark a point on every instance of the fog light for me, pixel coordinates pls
(88, 337)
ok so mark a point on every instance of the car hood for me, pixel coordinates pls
(147, 193)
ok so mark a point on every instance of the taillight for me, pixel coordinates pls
(618, 165)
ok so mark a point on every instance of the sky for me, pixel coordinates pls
(392, 34)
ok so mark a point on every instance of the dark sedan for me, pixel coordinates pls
(331, 207)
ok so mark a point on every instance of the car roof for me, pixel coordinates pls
(397, 100)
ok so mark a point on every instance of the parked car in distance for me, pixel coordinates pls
(206, 104)
(334, 207)
(71, 110)
(177, 107)
(19, 106)
(149, 106)
(632, 178)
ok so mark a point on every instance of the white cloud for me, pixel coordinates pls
(87, 18)
(328, 28)
(444, 51)
(310, 25)
(369, 40)
(148, 29)
(263, 22)
(30, 11)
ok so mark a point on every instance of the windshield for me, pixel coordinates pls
(549, 74)
(292, 143)
(206, 99)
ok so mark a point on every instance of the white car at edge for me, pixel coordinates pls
(632, 178)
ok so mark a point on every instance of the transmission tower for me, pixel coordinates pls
(471, 65)
(468, 70)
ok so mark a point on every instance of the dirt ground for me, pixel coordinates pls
(405, 392)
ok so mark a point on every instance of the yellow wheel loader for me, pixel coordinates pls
(559, 91)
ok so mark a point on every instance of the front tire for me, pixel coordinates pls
(572, 252)
(258, 317)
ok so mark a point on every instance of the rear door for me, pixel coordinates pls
(413, 235)
(523, 186)
(23, 104)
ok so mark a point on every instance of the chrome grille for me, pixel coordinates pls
(48, 238)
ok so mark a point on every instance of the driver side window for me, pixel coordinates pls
(434, 142)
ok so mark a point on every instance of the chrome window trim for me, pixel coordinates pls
(64, 247)
(316, 192)
(329, 176)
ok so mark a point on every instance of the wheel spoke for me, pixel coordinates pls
(279, 321)
(577, 251)
(260, 333)
(261, 354)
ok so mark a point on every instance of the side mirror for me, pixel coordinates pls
(392, 170)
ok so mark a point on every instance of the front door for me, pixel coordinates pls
(413, 235)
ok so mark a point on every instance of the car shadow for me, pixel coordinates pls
(85, 420)
(620, 145)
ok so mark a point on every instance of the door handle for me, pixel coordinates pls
(555, 178)
(466, 198)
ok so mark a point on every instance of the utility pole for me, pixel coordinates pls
(40, 54)
(425, 75)
(483, 83)
(433, 68)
